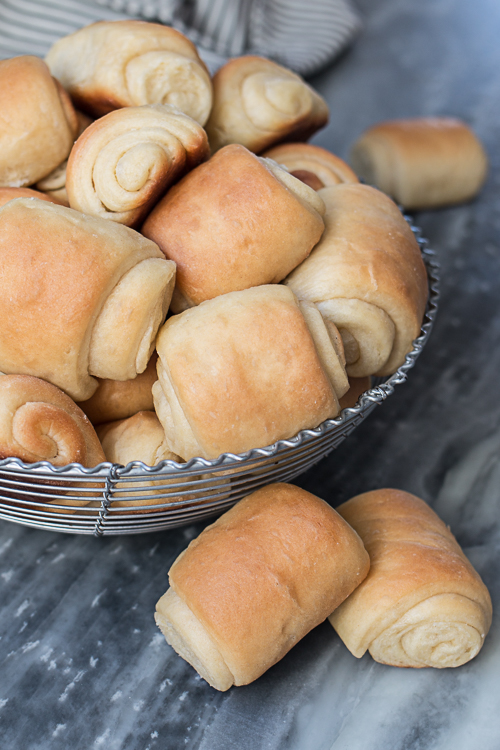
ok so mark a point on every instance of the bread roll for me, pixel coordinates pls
(125, 161)
(54, 184)
(314, 165)
(257, 581)
(137, 438)
(38, 422)
(422, 163)
(113, 64)
(242, 371)
(80, 296)
(258, 102)
(367, 276)
(422, 604)
(38, 122)
(120, 399)
(232, 223)
(11, 193)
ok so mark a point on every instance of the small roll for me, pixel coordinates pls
(38, 422)
(422, 163)
(79, 296)
(125, 161)
(367, 276)
(38, 123)
(422, 604)
(257, 581)
(114, 64)
(242, 371)
(54, 185)
(137, 438)
(357, 386)
(258, 103)
(119, 399)
(314, 165)
(232, 223)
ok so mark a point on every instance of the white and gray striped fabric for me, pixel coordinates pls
(303, 37)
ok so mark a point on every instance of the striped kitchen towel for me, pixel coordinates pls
(303, 37)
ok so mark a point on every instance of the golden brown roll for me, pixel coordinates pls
(257, 581)
(242, 371)
(367, 276)
(11, 193)
(119, 399)
(113, 64)
(79, 296)
(258, 103)
(55, 183)
(314, 165)
(422, 163)
(422, 604)
(38, 122)
(232, 223)
(125, 161)
(38, 422)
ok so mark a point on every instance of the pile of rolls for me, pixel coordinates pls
(171, 247)
(182, 275)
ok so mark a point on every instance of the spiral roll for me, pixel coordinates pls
(258, 103)
(113, 64)
(126, 160)
(314, 165)
(80, 296)
(422, 603)
(367, 276)
(38, 422)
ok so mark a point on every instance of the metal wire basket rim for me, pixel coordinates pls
(198, 465)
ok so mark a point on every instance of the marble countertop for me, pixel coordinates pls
(82, 664)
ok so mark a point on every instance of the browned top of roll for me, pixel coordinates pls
(38, 122)
(231, 224)
(367, 252)
(266, 573)
(245, 370)
(38, 422)
(413, 556)
(314, 165)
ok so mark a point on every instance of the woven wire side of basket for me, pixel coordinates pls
(112, 499)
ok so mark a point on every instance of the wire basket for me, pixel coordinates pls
(112, 499)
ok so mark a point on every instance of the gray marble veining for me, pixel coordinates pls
(82, 664)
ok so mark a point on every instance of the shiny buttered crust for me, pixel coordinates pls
(256, 581)
(314, 165)
(258, 103)
(113, 64)
(232, 223)
(119, 399)
(38, 123)
(80, 296)
(240, 372)
(38, 422)
(367, 276)
(422, 163)
(422, 604)
(125, 161)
